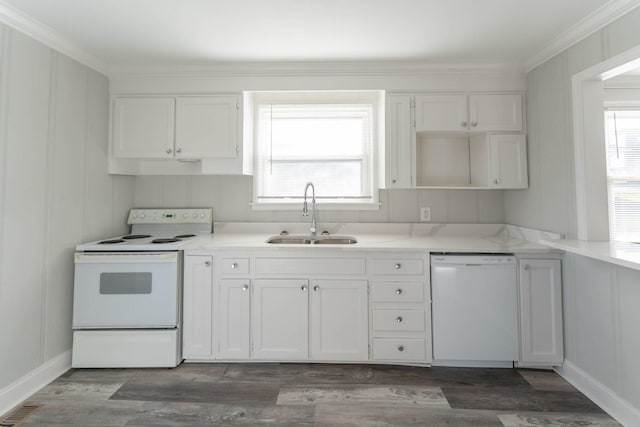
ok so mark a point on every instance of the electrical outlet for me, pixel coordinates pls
(425, 214)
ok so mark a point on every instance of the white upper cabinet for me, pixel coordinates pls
(495, 113)
(441, 113)
(143, 127)
(399, 136)
(508, 161)
(207, 126)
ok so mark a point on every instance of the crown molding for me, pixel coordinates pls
(19, 21)
(589, 25)
(356, 68)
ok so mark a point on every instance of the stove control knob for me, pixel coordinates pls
(195, 215)
(142, 215)
(185, 215)
(203, 215)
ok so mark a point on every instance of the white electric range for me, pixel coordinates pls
(128, 291)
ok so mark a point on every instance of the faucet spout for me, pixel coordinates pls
(305, 207)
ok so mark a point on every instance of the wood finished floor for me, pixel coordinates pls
(313, 395)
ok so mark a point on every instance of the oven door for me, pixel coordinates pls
(126, 290)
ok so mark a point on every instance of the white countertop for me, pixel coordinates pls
(620, 253)
(464, 238)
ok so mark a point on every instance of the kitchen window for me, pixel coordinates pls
(328, 138)
(622, 128)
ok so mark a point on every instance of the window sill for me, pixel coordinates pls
(322, 206)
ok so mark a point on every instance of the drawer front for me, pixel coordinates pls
(399, 349)
(398, 320)
(309, 266)
(235, 265)
(397, 266)
(397, 292)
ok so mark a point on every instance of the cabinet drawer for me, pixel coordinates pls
(399, 349)
(398, 320)
(397, 266)
(397, 292)
(235, 265)
(309, 266)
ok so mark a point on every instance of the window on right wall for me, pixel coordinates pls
(622, 130)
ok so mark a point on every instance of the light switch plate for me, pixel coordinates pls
(425, 214)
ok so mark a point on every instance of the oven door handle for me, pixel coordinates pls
(110, 258)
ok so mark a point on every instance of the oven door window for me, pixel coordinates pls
(131, 283)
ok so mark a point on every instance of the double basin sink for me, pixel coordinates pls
(312, 240)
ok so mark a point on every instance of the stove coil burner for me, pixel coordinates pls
(184, 236)
(173, 240)
(111, 242)
(135, 236)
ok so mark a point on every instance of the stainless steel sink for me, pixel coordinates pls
(312, 240)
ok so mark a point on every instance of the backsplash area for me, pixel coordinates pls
(230, 197)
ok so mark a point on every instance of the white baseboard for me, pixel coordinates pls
(603, 396)
(22, 388)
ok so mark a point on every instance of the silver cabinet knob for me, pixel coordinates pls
(207, 263)
(179, 150)
(526, 266)
(245, 287)
(303, 287)
(393, 181)
(234, 265)
(316, 288)
(397, 266)
(398, 291)
(399, 319)
(496, 181)
(169, 150)
(474, 124)
(463, 124)
(400, 348)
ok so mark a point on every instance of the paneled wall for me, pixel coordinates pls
(54, 193)
(230, 197)
(600, 300)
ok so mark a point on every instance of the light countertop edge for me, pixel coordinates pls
(610, 252)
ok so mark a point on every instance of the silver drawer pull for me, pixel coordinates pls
(526, 266)
(399, 319)
(234, 265)
(245, 287)
(400, 348)
(169, 150)
(207, 263)
(463, 124)
(398, 291)
(316, 288)
(397, 266)
(303, 287)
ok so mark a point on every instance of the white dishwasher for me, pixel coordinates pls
(475, 310)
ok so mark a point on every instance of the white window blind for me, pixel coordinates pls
(622, 128)
(320, 139)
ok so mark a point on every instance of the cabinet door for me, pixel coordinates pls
(508, 161)
(339, 320)
(280, 319)
(234, 326)
(197, 303)
(441, 113)
(143, 127)
(495, 113)
(398, 140)
(540, 312)
(207, 127)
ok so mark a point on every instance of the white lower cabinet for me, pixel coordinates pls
(197, 337)
(339, 327)
(234, 314)
(541, 340)
(298, 305)
(280, 319)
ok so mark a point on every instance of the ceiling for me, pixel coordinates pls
(130, 33)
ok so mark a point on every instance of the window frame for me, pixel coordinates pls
(370, 158)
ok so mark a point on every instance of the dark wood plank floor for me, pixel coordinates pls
(312, 394)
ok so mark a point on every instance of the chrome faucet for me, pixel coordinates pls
(305, 207)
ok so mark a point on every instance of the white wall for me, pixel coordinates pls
(54, 193)
(230, 197)
(600, 300)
